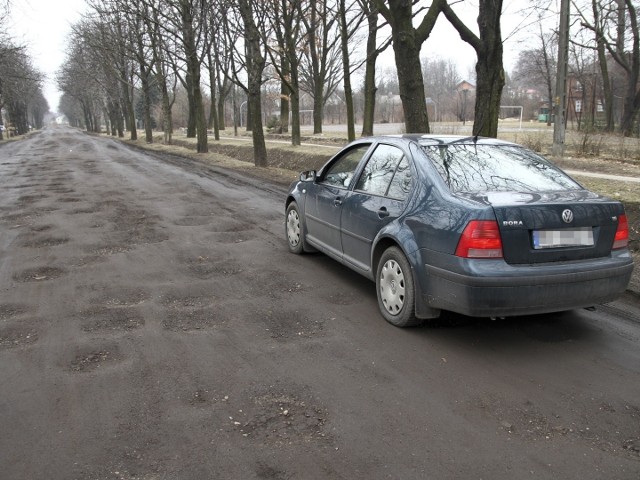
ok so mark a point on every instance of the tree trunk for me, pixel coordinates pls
(284, 95)
(284, 108)
(318, 87)
(221, 101)
(410, 81)
(130, 113)
(146, 104)
(213, 115)
(604, 68)
(202, 145)
(370, 75)
(490, 79)
(191, 119)
(631, 103)
(295, 118)
(489, 67)
(197, 114)
(255, 65)
(346, 66)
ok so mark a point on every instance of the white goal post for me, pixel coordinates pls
(515, 106)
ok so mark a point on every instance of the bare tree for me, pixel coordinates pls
(612, 23)
(490, 77)
(255, 63)
(321, 66)
(285, 53)
(407, 42)
(537, 66)
(370, 10)
(349, 21)
(441, 77)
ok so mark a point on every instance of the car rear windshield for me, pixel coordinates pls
(473, 168)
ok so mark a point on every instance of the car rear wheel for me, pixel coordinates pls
(294, 229)
(396, 292)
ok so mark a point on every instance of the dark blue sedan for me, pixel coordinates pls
(472, 225)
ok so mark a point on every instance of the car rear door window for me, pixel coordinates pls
(402, 181)
(387, 173)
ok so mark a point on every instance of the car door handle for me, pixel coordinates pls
(337, 202)
(383, 212)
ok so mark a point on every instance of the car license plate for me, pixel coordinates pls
(568, 237)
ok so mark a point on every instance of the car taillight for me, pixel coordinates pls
(480, 239)
(621, 239)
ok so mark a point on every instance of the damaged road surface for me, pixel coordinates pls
(154, 326)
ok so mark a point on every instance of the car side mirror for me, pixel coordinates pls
(308, 176)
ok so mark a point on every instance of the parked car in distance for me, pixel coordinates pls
(477, 226)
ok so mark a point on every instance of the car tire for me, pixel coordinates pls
(396, 291)
(294, 229)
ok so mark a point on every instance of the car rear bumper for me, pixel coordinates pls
(493, 288)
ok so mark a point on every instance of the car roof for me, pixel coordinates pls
(433, 139)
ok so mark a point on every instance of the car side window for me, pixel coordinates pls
(402, 181)
(341, 171)
(387, 173)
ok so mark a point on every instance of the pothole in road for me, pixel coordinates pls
(107, 250)
(24, 185)
(123, 296)
(205, 267)
(136, 226)
(21, 219)
(30, 199)
(232, 237)
(190, 319)
(17, 336)
(39, 274)
(40, 228)
(341, 298)
(114, 319)
(271, 283)
(60, 189)
(178, 302)
(32, 241)
(12, 310)
(84, 261)
(193, 221)
(287, 324)
(87, 360)
(144, 236)
(227, 225)
(79, 211)
(282, 415)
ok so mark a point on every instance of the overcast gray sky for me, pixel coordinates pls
(44, 25)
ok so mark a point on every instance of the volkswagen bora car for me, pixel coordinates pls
(473, 225)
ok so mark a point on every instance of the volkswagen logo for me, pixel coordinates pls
(567, 216)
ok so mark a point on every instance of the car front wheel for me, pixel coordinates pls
(396, 292)
(294, 229)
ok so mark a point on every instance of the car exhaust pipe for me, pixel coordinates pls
(493, 319)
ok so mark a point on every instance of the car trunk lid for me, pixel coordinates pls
(554, 226)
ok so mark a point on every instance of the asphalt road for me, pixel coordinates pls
(154, 326)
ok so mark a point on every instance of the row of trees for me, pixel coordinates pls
(604, 64)
(22, 103)
(129, 55)
(151, 46)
